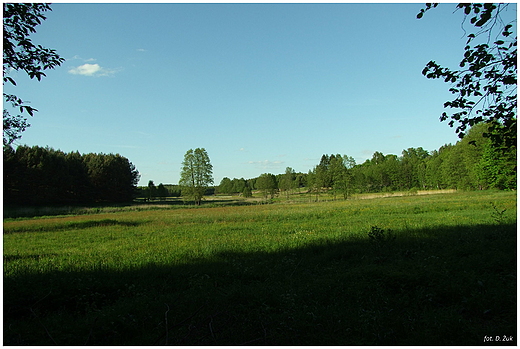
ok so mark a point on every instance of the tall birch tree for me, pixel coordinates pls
(196, 174)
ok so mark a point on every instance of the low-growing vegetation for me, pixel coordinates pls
(409, 270)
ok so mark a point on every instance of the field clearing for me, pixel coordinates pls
(403, 270)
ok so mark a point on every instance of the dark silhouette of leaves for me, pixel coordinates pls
(485, 87)
(20, 20)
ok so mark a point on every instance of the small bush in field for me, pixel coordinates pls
(498, 214)
(380, 236)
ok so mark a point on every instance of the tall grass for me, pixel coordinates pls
(414, 270)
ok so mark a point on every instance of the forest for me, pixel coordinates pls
(473, 163)
(41, 176)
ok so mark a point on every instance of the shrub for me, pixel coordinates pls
(380, 236)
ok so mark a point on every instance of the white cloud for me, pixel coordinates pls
(82, 59)
(141, 50)
(85, 69)
(267, 164)
(91, 70)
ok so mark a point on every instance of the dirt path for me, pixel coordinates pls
(386, 195)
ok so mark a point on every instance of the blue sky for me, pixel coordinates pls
(261, 87)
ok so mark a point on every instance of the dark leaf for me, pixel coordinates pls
(20, 20)
(11, 80)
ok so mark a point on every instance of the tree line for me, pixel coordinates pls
(37, 175)
(473, 163)
(163, 191)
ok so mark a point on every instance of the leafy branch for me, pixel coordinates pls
(20, 53)
(485, 90)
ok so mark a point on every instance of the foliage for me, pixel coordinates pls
(267, 184)
(162, 192)
(38, 176)
(225, 186)
(287, 183)
(239, 184)
(322, 172)
(113, 177)
(152, 190)
(498, 214)
(485, 87)
(196, 174)
(380, 236)
(247, 193)
(473, 163)
(298, 274)
(20, 53)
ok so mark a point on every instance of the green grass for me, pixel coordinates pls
(411, 270)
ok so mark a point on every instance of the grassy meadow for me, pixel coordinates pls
(412, 270)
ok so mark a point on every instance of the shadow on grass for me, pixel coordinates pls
(14, 211)
(448, 286)
(70, 225)
(206, 202)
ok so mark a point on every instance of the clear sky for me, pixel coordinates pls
(261, 87)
